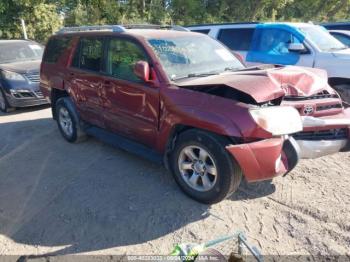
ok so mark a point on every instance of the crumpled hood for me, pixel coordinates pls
(268, 84)
(22, 67)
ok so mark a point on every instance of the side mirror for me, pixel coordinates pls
(142, 70)
(296, 47)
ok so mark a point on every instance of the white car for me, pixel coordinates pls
(301, 44)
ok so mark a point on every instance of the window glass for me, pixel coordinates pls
(322, 38)
(342, 38)
(54, 49)
(18, 51)
(236, 39)
(122, 56)
(203, 31)
(276, 41)
(90, 54)
(184, 56)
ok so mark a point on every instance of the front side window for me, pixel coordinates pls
(89, 55)
(276, 41)
(18, 51)
(122, 57)
(188, 55)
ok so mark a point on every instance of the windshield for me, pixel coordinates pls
(322, 39)
(193, 56)
(19, 51)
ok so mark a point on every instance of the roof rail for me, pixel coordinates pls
(113, 28)
(153, 26)
(119, 28)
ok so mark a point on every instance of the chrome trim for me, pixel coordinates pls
(314, 149)
(310, 121)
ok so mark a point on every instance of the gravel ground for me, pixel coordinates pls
(89, 198)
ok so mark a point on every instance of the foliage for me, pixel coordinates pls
(43, 17)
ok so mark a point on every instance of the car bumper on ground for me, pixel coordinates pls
(324, 135)
(261, 160)
(24, 98)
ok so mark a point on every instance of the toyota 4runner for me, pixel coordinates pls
(176, 97)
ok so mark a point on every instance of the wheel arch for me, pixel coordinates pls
(177, 129)
(55, 95)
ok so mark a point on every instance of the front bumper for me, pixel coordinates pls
(330, 134)
(265, 159)
(26, 98)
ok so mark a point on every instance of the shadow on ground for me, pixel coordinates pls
(86, 196)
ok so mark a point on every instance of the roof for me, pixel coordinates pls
(255, 23)
(218, 24)
(146, 33)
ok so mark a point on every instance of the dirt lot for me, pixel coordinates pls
(62, 198)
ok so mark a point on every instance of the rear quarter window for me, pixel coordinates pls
(236, 39)
(55, 48)
(202, 31)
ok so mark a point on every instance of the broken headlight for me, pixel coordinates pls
(277, 120)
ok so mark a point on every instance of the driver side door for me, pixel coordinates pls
(131, 105)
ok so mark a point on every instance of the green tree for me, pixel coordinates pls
(41, 19)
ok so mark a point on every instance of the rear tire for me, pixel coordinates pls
(68, 121)
(203, 168)
(4, 104)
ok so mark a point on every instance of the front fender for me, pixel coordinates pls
(195, 118)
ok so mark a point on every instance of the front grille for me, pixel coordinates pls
(39, 94)
(33, 77)
(331, 134)
(327, 107)
(318, 96)
(25, 94)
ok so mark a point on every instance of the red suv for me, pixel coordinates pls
(176, 97)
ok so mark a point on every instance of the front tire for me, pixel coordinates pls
(68, 121)
(4, 104)
(203, 168)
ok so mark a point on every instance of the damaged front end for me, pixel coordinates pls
(326, 124)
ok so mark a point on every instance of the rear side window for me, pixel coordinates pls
(236, 39)
(202, 31)
(89, 55)
(55, 48)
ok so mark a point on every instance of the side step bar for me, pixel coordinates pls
(125, 144)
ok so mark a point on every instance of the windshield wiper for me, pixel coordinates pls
(201, 74)
(196, 75)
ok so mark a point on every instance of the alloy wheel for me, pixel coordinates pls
(197, 168)
(65, 121)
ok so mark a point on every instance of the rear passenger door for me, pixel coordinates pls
(131, 105)
(86, 79)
